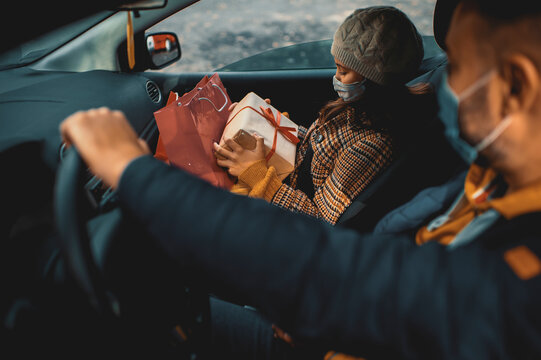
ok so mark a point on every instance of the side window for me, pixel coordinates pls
(269, 35)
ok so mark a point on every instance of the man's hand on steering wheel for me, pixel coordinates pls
(105, 140)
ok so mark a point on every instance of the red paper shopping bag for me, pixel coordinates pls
(190, 124)
(160, 152)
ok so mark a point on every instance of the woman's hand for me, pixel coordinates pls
(236, 158)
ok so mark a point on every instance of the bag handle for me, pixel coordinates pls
(207, 99)
(210, 101)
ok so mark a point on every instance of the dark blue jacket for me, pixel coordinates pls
(429, 203)
(378, 296)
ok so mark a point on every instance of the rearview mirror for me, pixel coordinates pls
(143, 5)
(163, 49)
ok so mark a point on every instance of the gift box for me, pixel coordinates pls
(253, 115)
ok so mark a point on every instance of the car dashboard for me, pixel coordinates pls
(34, 103)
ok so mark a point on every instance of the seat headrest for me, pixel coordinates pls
(430, 71)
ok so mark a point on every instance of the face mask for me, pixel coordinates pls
(349, 92)
(449, 102)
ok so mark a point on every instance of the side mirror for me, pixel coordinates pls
(163, 49)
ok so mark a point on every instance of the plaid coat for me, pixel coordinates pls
(348, 155)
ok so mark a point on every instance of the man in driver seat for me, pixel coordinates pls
(472, 287)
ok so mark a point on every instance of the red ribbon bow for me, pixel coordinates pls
(286, 131)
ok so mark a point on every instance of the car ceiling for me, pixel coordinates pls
(24, 21)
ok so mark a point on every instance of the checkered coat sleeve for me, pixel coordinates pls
(339, 175)
(348, 155)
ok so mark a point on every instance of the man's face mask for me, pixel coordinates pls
(449, 103)
(349, 92)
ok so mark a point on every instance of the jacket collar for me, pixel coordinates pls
(481, 182)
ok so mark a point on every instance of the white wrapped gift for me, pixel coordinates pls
(254, 115)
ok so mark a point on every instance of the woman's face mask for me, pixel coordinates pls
(349, 92)
(449, 103)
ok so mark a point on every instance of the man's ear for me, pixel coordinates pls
(522, 77)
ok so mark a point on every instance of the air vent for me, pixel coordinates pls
(153, 92)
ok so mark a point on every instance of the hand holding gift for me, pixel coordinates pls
(277, 134)
(238, 153)
(236, 157)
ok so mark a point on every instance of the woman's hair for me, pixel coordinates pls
(397, 109)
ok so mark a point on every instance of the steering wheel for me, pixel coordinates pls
(74, 239)
(189, 309)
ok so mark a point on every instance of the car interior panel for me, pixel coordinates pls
(35, 97)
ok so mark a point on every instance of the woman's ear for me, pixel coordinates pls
(523, 83)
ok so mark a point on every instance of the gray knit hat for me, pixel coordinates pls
(380, 43)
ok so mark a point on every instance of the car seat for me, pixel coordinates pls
(420, 164)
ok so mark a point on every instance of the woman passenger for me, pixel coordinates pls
(376, 50)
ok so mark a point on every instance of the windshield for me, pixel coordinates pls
(39, 47)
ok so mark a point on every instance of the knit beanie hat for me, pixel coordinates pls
(380, 43)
